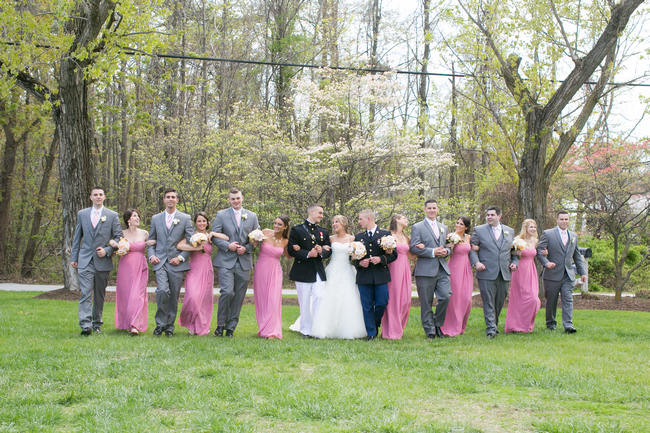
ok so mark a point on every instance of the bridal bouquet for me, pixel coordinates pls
(454, 238)
(388, 243)
(357, 250)
(198, 238)
(256, 235)
(123, 247)
(518, 243)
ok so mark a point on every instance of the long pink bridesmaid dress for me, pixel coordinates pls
(131, 303)
(399, 296)
(523, 300)
(267, 291)
(462, 283)
(196, 313)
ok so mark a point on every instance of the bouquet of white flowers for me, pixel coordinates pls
(454, 238)
(518, 243)
(357, 250)
(388, 243)
(198, 238)
(256, 235)
(123, 247)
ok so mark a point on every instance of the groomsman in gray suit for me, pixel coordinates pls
(559, 274)
(167, 229)
(494, 264)
(91, 255)
(233, 261)
(428, 238)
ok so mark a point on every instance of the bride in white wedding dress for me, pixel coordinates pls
(339, 313)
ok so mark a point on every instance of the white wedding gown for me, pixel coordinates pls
(339, 313)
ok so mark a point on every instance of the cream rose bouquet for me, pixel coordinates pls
(198, 239)
(454, 238)
(357, 250)
(388, 243)
(519, 244)
(123, 247)
(256, 235)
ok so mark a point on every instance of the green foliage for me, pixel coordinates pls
(601, 265)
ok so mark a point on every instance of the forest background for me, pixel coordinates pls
(532, 106)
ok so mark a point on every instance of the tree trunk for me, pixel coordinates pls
(27, 267)
(453, 137)
(123, 196)
(6, 180)
(533, 188)
(423, 114)
(375, 19)
(76, 170)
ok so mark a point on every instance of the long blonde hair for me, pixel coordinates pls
(524, 229)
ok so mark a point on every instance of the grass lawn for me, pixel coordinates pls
(54, 380)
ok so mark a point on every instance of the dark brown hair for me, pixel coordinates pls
(285, 220)
(127, 215)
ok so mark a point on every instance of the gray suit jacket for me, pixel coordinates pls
(563, 256)
(166, 240)
(427, 265)
(225, 223)
(495, 255)
(87, 239)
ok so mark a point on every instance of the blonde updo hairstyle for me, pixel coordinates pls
(344, 222)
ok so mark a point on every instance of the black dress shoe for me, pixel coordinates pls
(370, 337)
(157, 332)
(230, 333)
(439, 333)
(431, 336)
(219, 331)
(550, 328)
(491, 335)
(169, 333)
(571, 330)
(86, 332)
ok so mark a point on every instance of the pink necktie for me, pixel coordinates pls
(564, 237)
(497, 233)
(169, 221)
(95, 218)
(238, 218)
(434, 226)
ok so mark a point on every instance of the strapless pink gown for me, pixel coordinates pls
(196, 313)
(399, 296)
(523, 300)
(131, 303)
(462, 283)
(267, 291)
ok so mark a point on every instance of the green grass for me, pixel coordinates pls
(54, 380)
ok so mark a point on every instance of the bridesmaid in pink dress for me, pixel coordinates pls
(399, 288)
(131, 303)
(267, 279)
(462, 282)
(196, 312)
(523, 300)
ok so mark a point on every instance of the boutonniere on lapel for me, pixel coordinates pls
(103, 218)
(573, 240)
(176, 221)
(244, 216)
